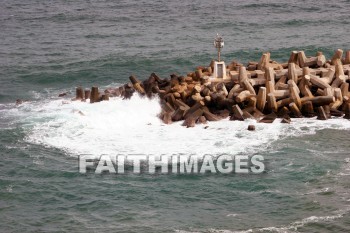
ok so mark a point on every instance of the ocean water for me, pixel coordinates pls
(50, 47)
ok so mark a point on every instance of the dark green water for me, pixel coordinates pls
(50, 47)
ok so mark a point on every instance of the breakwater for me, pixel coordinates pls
(303, 86)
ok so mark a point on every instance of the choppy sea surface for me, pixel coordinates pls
(50, 47)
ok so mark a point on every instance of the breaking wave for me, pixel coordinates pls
(132, 127)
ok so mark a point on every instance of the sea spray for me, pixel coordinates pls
(132, 127)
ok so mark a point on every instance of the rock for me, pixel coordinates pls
(210, 116)
(105, 97)
(347, 111)
(167, 118)
(247, 115)
(224, 113)
(285, 121)
(237, 113)
(268, 118)
(19, 101)
(79, 93)
(87, 93)
(202, 120)
(189, 122)
(94, 96)
(321, 115)
(336, 113)
(251, 127)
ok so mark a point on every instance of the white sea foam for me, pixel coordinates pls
(228, 231)
(293, 227)
(232, 215)
(127, 127)
(213, 231)
(345, 171)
